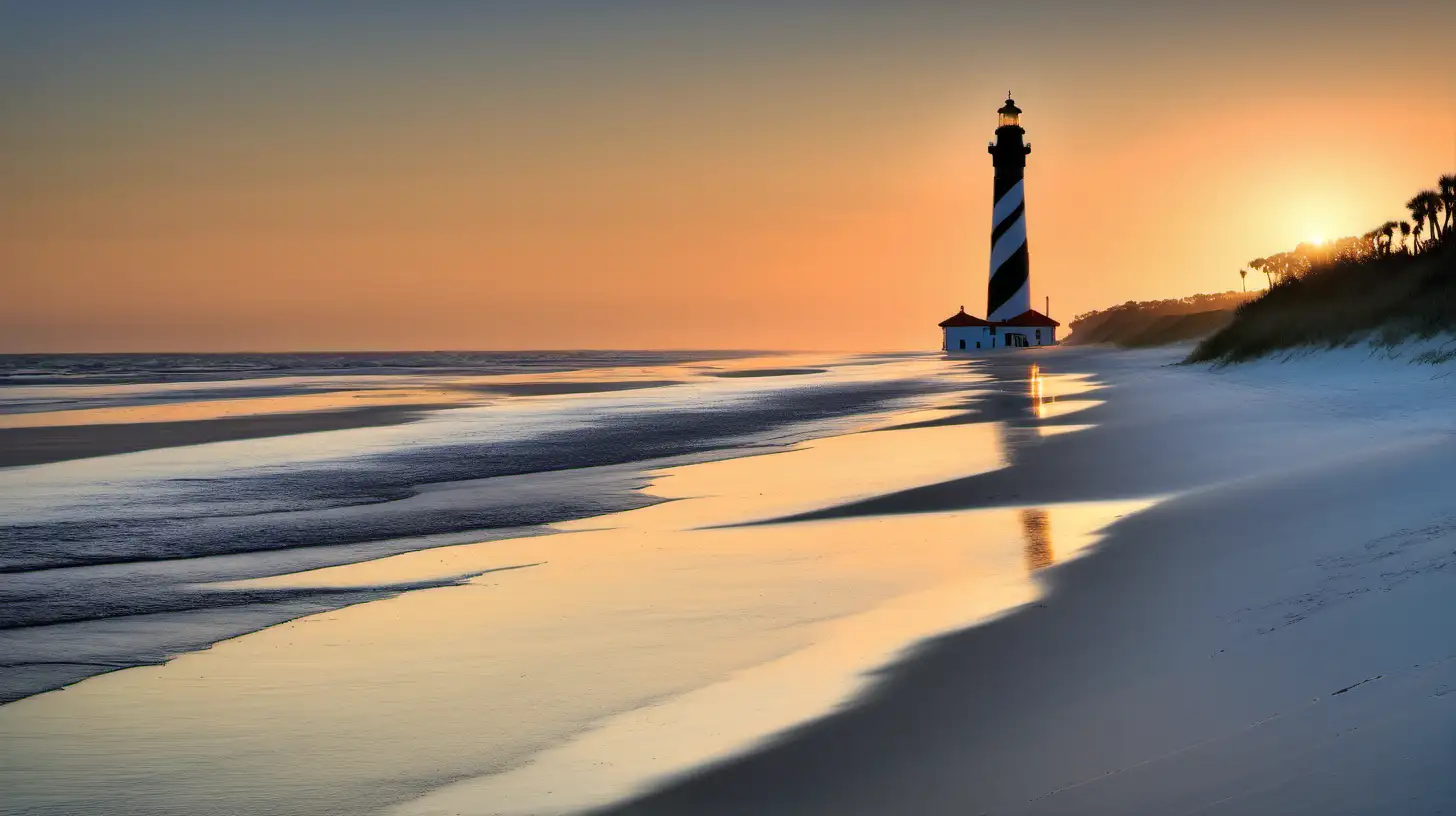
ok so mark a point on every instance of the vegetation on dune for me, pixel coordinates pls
(1396, 282)
(1156, 322)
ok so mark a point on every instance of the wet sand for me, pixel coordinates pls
(1277, 646)
(131, 418)
(769, 372)
(1271, 641)
(60, 443)
(544, 389)
(56, 436)
(60, 426)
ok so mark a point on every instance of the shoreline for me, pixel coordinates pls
(46, 437)
(621, 610)
(1265, 642)
(740, 654)
(149, 554)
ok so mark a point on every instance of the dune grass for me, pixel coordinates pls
(1385, 299)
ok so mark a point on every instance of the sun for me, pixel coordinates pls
(1316, 239)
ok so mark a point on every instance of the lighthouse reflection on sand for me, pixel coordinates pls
(1036, 522)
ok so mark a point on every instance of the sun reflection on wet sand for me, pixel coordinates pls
(1047, 394)
(1036, 526)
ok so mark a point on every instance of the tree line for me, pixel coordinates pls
(1170, 306)
(1432, 213)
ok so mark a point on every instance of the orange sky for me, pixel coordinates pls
(561, 175)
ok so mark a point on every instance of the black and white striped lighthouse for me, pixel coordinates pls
(1010, 321)
(1009, 292)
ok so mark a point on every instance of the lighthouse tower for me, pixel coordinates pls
(1010, 321)
(1009, 292)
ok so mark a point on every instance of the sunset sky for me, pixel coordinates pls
(357, 175)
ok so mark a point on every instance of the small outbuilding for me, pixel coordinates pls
(964, 332)
(1030, 328)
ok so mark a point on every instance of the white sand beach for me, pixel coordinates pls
(1274, 641)
(1081, 581)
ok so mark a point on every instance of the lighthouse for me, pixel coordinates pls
(1009, 292)
(1010, 321)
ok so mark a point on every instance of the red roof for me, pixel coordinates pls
(962, 319)
(1030, 317)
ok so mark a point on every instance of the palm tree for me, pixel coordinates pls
(1430, 204)
(1244, 278)
(1435, 204)
(1420, 210)
(1387, 231)
(1405, 231)
(1447, 183)
(1433, 213)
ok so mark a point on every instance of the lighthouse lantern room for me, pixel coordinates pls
(1008, 116)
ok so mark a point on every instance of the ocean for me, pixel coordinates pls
(121, 560)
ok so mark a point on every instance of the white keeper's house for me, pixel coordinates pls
(963, 332)
(1010, 320)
